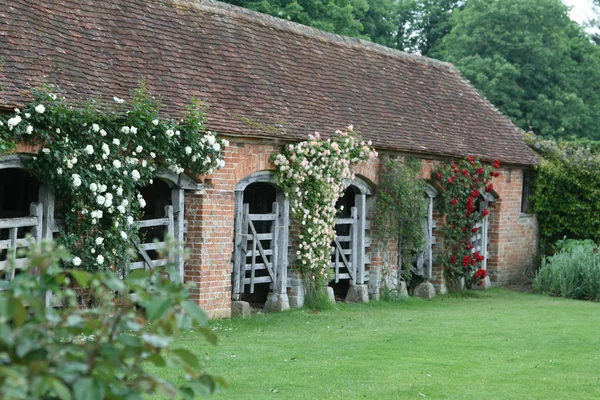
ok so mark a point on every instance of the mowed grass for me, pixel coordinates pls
(495, 345)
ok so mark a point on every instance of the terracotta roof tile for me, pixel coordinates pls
(259, 74)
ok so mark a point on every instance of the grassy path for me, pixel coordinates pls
(497, 345)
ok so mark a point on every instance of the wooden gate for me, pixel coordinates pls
(348, 251)
(480, 240)
(12, 236)
(260, 250)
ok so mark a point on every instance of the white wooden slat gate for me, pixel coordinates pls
(349, 257)
(260, 257)
(13, 226)
(480, 240)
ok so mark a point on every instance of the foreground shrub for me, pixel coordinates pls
(63, 350)
(573, 272)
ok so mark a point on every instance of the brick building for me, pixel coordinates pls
(268, 82)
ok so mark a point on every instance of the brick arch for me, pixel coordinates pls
(368, 171)
(252, 164)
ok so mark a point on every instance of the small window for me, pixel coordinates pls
(526, 192)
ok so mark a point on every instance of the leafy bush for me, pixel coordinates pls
(566, 191)
(573, 272)
(63, 350)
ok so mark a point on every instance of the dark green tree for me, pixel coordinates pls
(530, 60)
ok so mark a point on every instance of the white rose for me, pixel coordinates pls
(129, 220)
(133, 129)
(188, 150)
(217, 146)
(29, 129)
(123, 235)
(46, 150)
(98, 167)
(40, 109)
(76, 261)
(225, 143)
(99, 240)
(95, 127)
(121, 209)
(93, 187)
(102, 132)
(59, 171)
(119, 191)
(155, 122)
(105, 148)
(14, 121)
(100, 259)
(89, 149)
(118, 100)
(76, 180)
(169, 133)
(139, 149)
(102, 188)
(117, 164)
(152, 154)
(142, 202)
(135, 174)
(125, 130)
(27, 115)
(100, 200)
(116, 142)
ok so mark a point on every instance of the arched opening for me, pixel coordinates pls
(259, 197)
(158, 198)
(260, 250)
(350, 257)
(18, 189)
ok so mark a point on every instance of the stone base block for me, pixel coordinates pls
(331, 294)
(441, 289)
(240, 309)
(296, 296)
(425, 290)
(277, 302)
(357, 294)
(402, 291)
(485, 285)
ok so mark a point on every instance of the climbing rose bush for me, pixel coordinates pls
(312, 174)
(463, 185)
(97, 156)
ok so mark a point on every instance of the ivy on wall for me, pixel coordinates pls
(566, 191)
(97, 156)
(400, 210)
(312, 174)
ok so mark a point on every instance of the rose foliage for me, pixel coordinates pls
(62, 350)
(312, 174)
(463, 184)
(96, 157)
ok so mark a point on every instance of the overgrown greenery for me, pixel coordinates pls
(99, 348)
(566, 191)
(463, 184)
(312, 174)
(6, 147)
(98, 156)
(573, 272)
(496, 344)
(400, 211)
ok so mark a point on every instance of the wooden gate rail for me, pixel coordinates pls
(257, 247)
(13, 242)
(169, 222)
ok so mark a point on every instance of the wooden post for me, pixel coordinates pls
(171, 224)
(429, 253)
(254, 249)
(239, 249)
(355, 249)
(37, 231)
(282, 221)
(275, 247)
(361, 208)
(178, 201)
(12, 236)
(46, 194)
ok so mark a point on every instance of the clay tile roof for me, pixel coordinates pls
(262, 76)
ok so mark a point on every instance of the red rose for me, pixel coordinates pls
(439, 176)
(485, 213)
(464, 228)
(496, 164)
(489, 188)
(470, 245)
(466, 261)
(480, 274)
(453, 260)
(465, 172)
(475, 193)
(450, 180)
(474, 230)
(495, 174)
(479, 171)
(454, 166)
(453, 202)
(470, 159)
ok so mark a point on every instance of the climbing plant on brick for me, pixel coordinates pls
(462, 185)
(312, 174)
(97, 156)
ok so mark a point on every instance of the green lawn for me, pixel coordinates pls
(497, 345)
